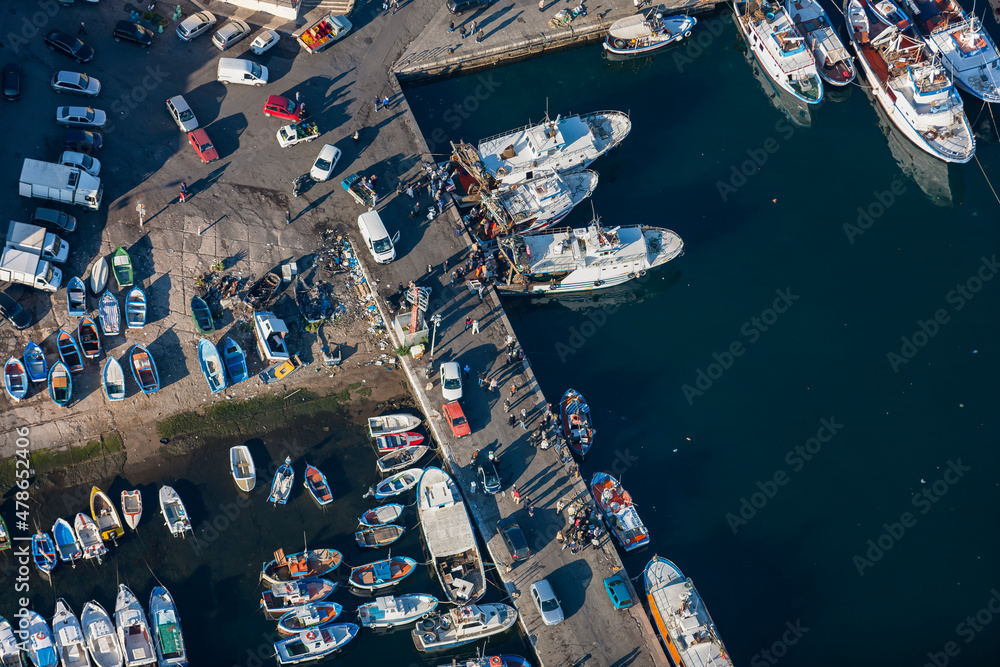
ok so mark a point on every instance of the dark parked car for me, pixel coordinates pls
(50, 217)
(133, 32)
(82, 141)
(513, 537)
(488, 477)
(12, 311)
(12, 81)
(70, 45)
(459, 6)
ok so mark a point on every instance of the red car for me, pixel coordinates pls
(203, 146)
(281, 107)
(456, 419)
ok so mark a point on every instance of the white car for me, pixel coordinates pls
(325, 163)
(230, 33)
(80, 117)
(451, 381)
(91, 165)
(194, 25)
(74, 82)
(182, 114)
(546, 602)
(264, 40)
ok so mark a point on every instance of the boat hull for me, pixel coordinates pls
(105, 515)
(132, 507)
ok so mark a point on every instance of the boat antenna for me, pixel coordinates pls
(305, 542)
(546, 108)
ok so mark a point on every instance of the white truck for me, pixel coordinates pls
(38, 241)
(58, 182)
(296, 133)
(322, 34)
(21, 266)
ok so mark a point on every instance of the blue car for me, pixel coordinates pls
(617, 590)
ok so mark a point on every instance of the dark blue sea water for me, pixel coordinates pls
(804, 404)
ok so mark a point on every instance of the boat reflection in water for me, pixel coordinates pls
(797, 110)
(940, 181)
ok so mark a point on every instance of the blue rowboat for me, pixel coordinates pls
(69, 351)
(202, 315)
(109, 314)
(382, 573)
(317, 485)
(135, 308)
(211, 365)
(90, 339)
(67, 545)
(113, 380)
(235, 360)
(40, 645)
(76, 297)
(144, 369)
(34, 362)
(281, 486)
(15, 379)
(43, 551)
(60, 384)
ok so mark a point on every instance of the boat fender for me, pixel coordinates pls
(598, 283)
(620, 44)
(642, 273)
(631, 276)
(930, 135)
(687, 33)
(311, 635)
(429, 637)
(501, 171)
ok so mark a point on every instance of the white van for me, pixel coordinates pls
(377, 238)
(236, 70)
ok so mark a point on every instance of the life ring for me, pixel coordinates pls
(501, 171)
(311, 635)
(430, 637)
(930, 135)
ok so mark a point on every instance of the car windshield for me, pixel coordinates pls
(255, 70)
(490, 475)
(186, 115)
(82, 80)
(86, 161)
(382, 245)
(453, 383)
(207, 146)
(458, 421)
(550, 605)
(323, 164)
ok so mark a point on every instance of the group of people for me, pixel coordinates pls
(581, 533)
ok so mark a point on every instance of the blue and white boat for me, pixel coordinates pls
(382, 573)
(890, 15)
(642, 34)
(76, 297)
(281, 486)
(309, 616)
(135, 308)
(70, 642)
(966, 49)
(40, 645)
(110, 314)
(69, 351)
(43, 552)
(235, 360)
(60, 384)
(166, 624)
(15, 379)
(113, 380)
(314, 644)
(10, 648)
(68, 547)
(394, 610)
(211, 365)
(144, 369)
(34, 362)
(833, 62)
(133, 629)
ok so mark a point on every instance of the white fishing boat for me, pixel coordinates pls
(644, 33)
(559, 145)
(795, 109)
(284, 597)
(381, 515)
(241, 464)
(100, 634)
(833, 62)
(444, 630)
(132, 507)
(390, 424)
(402, 457)
(619, 511)
(281, 485)
(911, 85)
(166, 623)
(779, 48)
(584, 259)
(308, 617)
(90, 537)
(10, 649)
(681, 618)
(450, 540)
(69, 637)
(965, 48)
(174, 513)
(389, 611)
(39, 644)
(536, 204)
(401, 482)
(133, 630)
(314, 644)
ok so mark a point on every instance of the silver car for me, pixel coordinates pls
(546, 602)
(325, 163)
(195, 25)
(451, 381)
(230, 33)
(89, 164)
(182, 114)
(81, 117)
(74, 82)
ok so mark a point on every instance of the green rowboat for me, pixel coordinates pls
(121, 264)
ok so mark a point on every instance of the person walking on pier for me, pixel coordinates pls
(541, 5)
(184, 191)
(479, 37)
(451, 27)
(512, 420)
(493, 385)
(409, 191)
(482, 378)
(475, 326)
(385, 101)
(506, 402)
(465, 373)
(468, 323)
(515, 494)
(513, 389)
(461, 32)
(376, 103)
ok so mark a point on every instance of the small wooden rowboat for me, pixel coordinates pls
(15, 379)
(135, 308)
(308, 616)
(211, 365)
(235, 360)
(379, 536)
(317, 485)
(113, 380)
(242, 467)
(399, 483)
(105, 515)
(69, 351)
(43, 551)
(122, 265)
(143, 369)
(401, 458)
(389, 424)
(60, 384)
(202, 315)
(90, 339)
(109, 314)
(99, 276)
(381, 515)
(34, 362)
(383, 573)
(76, 297)
(303, 565)
(387, 443)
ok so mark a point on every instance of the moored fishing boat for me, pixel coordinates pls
(569, 260)
(559, 145)
(113, 380)
(90, 537)
(15, 379)
(40, 645)
(282, 598)
(174, 513)
(401, 457)
(401, 482)
(211, 365)
(308, 616)
(76, 297)
(99, 275)
(304, 565)
(132, 507)
(133, 630)
(67, 544)
(34, 362)
(536, 203)
(315, 482)
(644, 33)
(122, 266)
(387, 443)
(71, 646)
(10, 649)
(69, 351)
(4, 535)
(444, 630)
(109, 314)
(381, 515)
(43, 552)
(242, 467)
(281, 485)
(202, 315)
(379, 536)
(100, 634)
(964, 45)
(90, 339)
(235, 360)
(314, 644)
(60, 384)
(135, 308)
(575, 422)
(391, 611)
(491, 661)
(833, 62)
(448, 535)
(105, 515)
(779, 48)
(912, 88)
(166, 623)
(681, 618)
(382, 573)
(619, 512)
(391, 424)
(144, 369)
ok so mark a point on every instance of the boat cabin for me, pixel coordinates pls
(270, 332)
